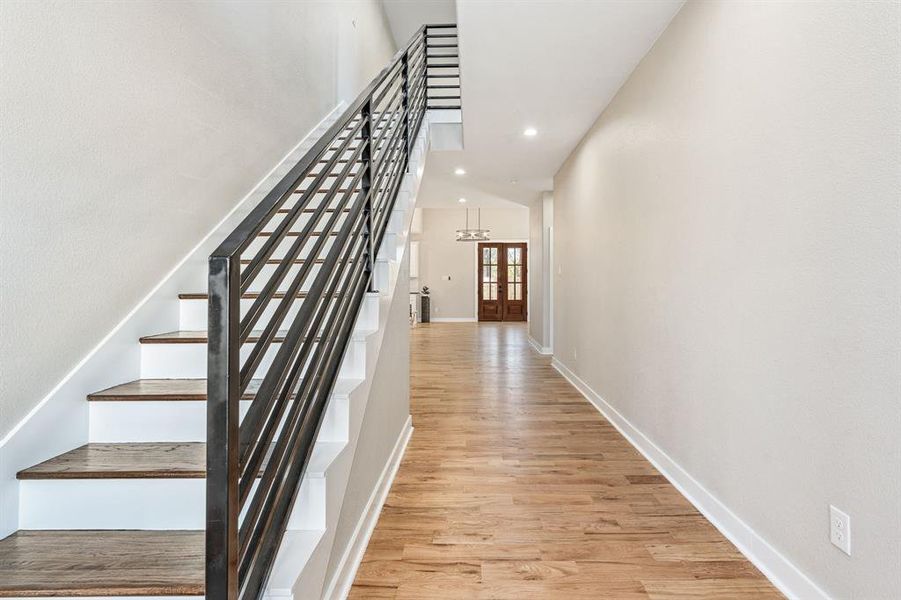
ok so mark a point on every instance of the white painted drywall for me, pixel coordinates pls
(541, 219)
(440, 255)
(536, 275)
(129, 131)
(730, 244)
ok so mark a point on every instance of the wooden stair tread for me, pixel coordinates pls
(245, 295)
(176, 390)
(150, 460)
(183, 460)
(198, 336)
(162, 390)
(296, 234)
(309, 210)
(102, 563)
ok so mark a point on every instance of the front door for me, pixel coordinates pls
(503, 281)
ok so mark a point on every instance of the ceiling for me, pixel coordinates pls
(406, 16)
(551, 65)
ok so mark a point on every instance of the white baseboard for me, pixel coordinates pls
(545, 350)
(454, 320)
(776, 567)
(339, 586)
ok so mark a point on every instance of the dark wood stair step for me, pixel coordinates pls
(186, 336)
(165, 390)
(309, 210)
(102, 563)
(180, 390)
(144, 460)
(150, 460)
(296, 233)
(244, 296)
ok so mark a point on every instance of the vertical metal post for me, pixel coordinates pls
(368, 193)
(222, 462)
(405, 105)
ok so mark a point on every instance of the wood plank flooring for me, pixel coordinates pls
(514, 486)
(109, 563)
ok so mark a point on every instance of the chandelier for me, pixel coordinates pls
(473, 235)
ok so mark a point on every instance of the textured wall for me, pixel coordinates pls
(129, 130)
(730, 242)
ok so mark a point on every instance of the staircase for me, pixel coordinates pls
(134, 511)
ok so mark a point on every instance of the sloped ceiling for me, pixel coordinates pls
(406, 16)
(552, 65)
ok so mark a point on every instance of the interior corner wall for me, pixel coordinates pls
(729, 241)
(537, 250)
(129, 131)
(541, 221)
(448, 267)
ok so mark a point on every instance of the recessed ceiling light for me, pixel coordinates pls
(513, 181)
(462, 200)
(459, 171)
(530, 132)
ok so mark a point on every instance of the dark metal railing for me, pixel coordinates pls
(307, 251)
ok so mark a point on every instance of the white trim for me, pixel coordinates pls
(346, 572)
(788, 578)
(538, 347)
(454, 320)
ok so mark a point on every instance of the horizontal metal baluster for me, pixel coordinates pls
(257, 308)
(285, 225)
(259, 445)
(258, 516)
(255, 567)
(387, 125)
(250, 365)
(295, 390)
(386, 155)
(275, 376)
(290, 295)
(378, 98)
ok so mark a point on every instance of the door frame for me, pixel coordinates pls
(476, 280)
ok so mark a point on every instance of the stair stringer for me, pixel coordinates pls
(392, 284)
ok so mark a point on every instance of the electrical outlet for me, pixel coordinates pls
(840, 530)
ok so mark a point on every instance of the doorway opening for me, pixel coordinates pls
(503, 281)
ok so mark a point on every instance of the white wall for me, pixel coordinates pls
(440, 255)
(729, 238)
(541, 222)
(536, 274)
(129, 130)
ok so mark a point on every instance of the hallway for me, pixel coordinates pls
(514, 486)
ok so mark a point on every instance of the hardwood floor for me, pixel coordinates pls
(101, 563)
(514, 486)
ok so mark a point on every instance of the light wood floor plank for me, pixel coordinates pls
(513, 486)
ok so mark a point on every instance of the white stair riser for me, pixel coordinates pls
(141, 504)
(183, 421)
(193, 313)
(175, 361)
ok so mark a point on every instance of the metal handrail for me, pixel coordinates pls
(310, 246)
